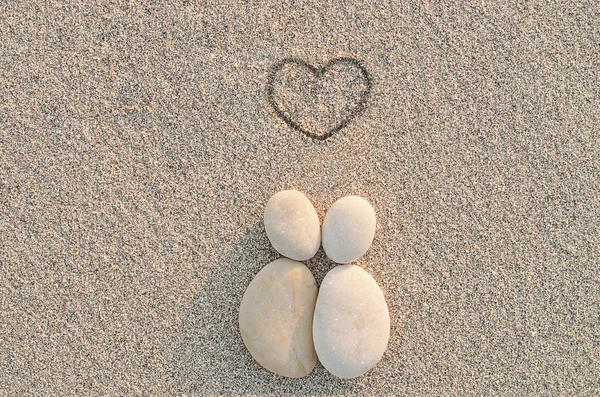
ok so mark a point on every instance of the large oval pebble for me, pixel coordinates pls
(292, 225)
(348, 229)
(276, 317)
(351, 326)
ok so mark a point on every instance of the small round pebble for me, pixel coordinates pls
(348, 229)
(351, 326)
(276, 317)
(292, 225)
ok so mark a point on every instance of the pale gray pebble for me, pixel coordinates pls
(348, 229)
(351, 326)
(292, 225)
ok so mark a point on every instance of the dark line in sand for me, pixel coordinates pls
(318, 72)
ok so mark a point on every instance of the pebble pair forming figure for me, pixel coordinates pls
(286, 322)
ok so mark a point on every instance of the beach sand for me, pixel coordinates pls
(138, 149)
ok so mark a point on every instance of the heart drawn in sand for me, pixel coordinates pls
(318, 101)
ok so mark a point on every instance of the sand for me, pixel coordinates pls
(138, 148)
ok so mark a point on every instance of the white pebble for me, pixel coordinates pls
(348, 229)
(276, 317)
(292, 225)
(351, 326)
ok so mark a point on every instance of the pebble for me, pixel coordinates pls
(276, 317)
(351, 326)
(292, 225)
(348, 229)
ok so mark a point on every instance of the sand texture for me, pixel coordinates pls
(139, 145)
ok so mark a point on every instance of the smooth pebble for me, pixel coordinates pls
(292, 225)
(351, 326)
(276, 317)
(348, 229)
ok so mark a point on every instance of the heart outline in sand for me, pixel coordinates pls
(318, 73)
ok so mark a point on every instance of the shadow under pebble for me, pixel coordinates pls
(210, 357)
